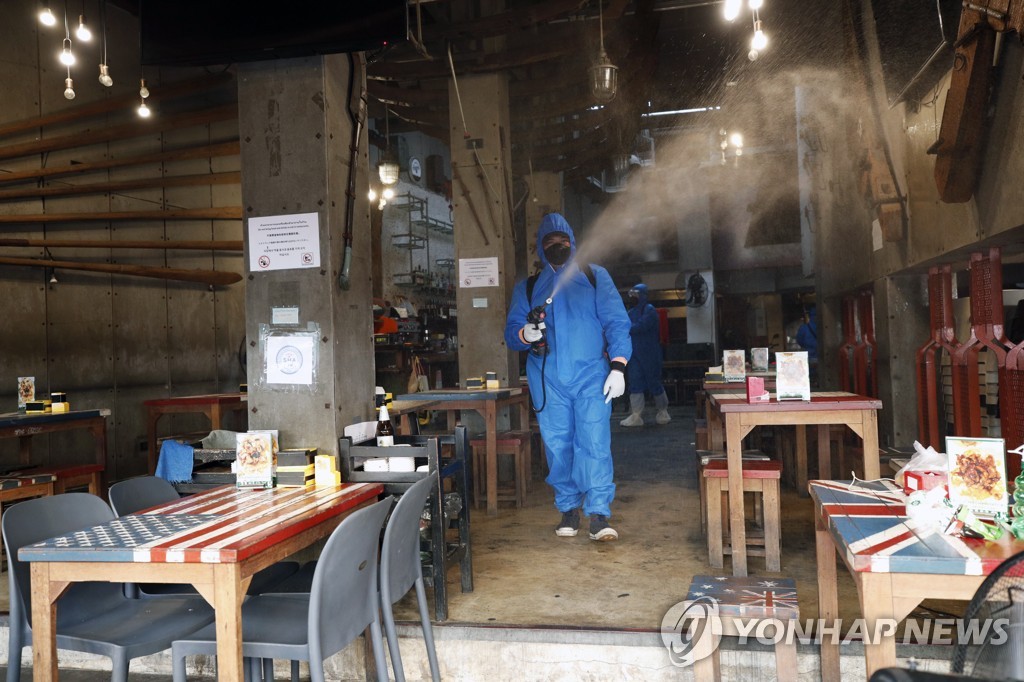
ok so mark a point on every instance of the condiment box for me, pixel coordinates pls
(925, 480)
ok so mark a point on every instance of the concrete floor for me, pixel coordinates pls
(525, 575)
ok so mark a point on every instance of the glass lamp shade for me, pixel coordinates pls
(604, 79)
(388, 168)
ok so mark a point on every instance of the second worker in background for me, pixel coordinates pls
(645, 369)
(571, 381)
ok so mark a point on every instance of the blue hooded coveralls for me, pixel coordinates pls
(807, 335)
(583, 321)
(644, 370)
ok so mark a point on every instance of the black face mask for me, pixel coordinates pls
(557, 254)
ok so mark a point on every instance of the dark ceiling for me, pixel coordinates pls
(671, 54)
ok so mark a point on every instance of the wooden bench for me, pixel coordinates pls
(74, 476)
(23, 487)
(740, 602)
(759, 476)
(518, 445)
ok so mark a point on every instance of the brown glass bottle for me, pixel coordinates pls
(385, 430)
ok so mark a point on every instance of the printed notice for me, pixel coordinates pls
(290, 360)
(478, 272)
(284, 242)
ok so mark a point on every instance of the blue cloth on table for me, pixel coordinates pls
(175, 462)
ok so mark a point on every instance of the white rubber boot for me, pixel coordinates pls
(661, 402)
(636, 408)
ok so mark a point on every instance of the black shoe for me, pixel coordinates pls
(600, 530)
(569, 525)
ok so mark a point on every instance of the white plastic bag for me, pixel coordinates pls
(924, 459)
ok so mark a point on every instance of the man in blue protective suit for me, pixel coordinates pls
(645, 368)
(571, 380)
(807, 334)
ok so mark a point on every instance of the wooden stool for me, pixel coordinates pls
(700, 434)
(739, 601)
(517, 444)
(705, 456)
(758, 477)
(75, 476)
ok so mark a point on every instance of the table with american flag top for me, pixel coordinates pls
(895, 562)
(215, 540)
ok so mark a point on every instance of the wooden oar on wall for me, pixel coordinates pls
(209, 277)
(198, 245)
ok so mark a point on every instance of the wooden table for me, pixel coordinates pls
(213, 405)
(215, 540)
(895, 565)
(824, 409)
(406, 411)
(486, 403)
(24, 426)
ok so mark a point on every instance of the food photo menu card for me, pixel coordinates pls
(977, 474)
(792, 376)
(734, 365)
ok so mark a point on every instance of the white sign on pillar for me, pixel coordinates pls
(284, 242)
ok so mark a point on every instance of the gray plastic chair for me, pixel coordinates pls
(93, 617)
(311, 627)
(136, 494)
(402, 569)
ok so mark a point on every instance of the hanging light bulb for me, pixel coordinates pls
(69, 88)
(82, 32)
(372, 195)
(388, 168)
(143, 110)
(736, 140)
(66, 56)
(143, 90)
(105, 78)
(46, 17)
(755, 5)
(388, 193)
(604, 76)
(732, 9)
(760, 40)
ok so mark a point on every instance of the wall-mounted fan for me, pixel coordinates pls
(696, 290)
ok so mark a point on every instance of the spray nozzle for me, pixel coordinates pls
(536, 317)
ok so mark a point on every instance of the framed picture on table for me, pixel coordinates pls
(734, 365)
(792, 376)
(977, 473)
(759, 359)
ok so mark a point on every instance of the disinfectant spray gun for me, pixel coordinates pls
(536, 317)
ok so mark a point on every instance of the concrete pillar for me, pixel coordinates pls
(695, 255)
(481, 178)
(545, 197)
(296, 132)
(901, 327)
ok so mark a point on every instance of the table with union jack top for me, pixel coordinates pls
(895, 563)
(215, 540)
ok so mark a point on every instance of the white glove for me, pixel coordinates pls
(614, 385)
(532, 333)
